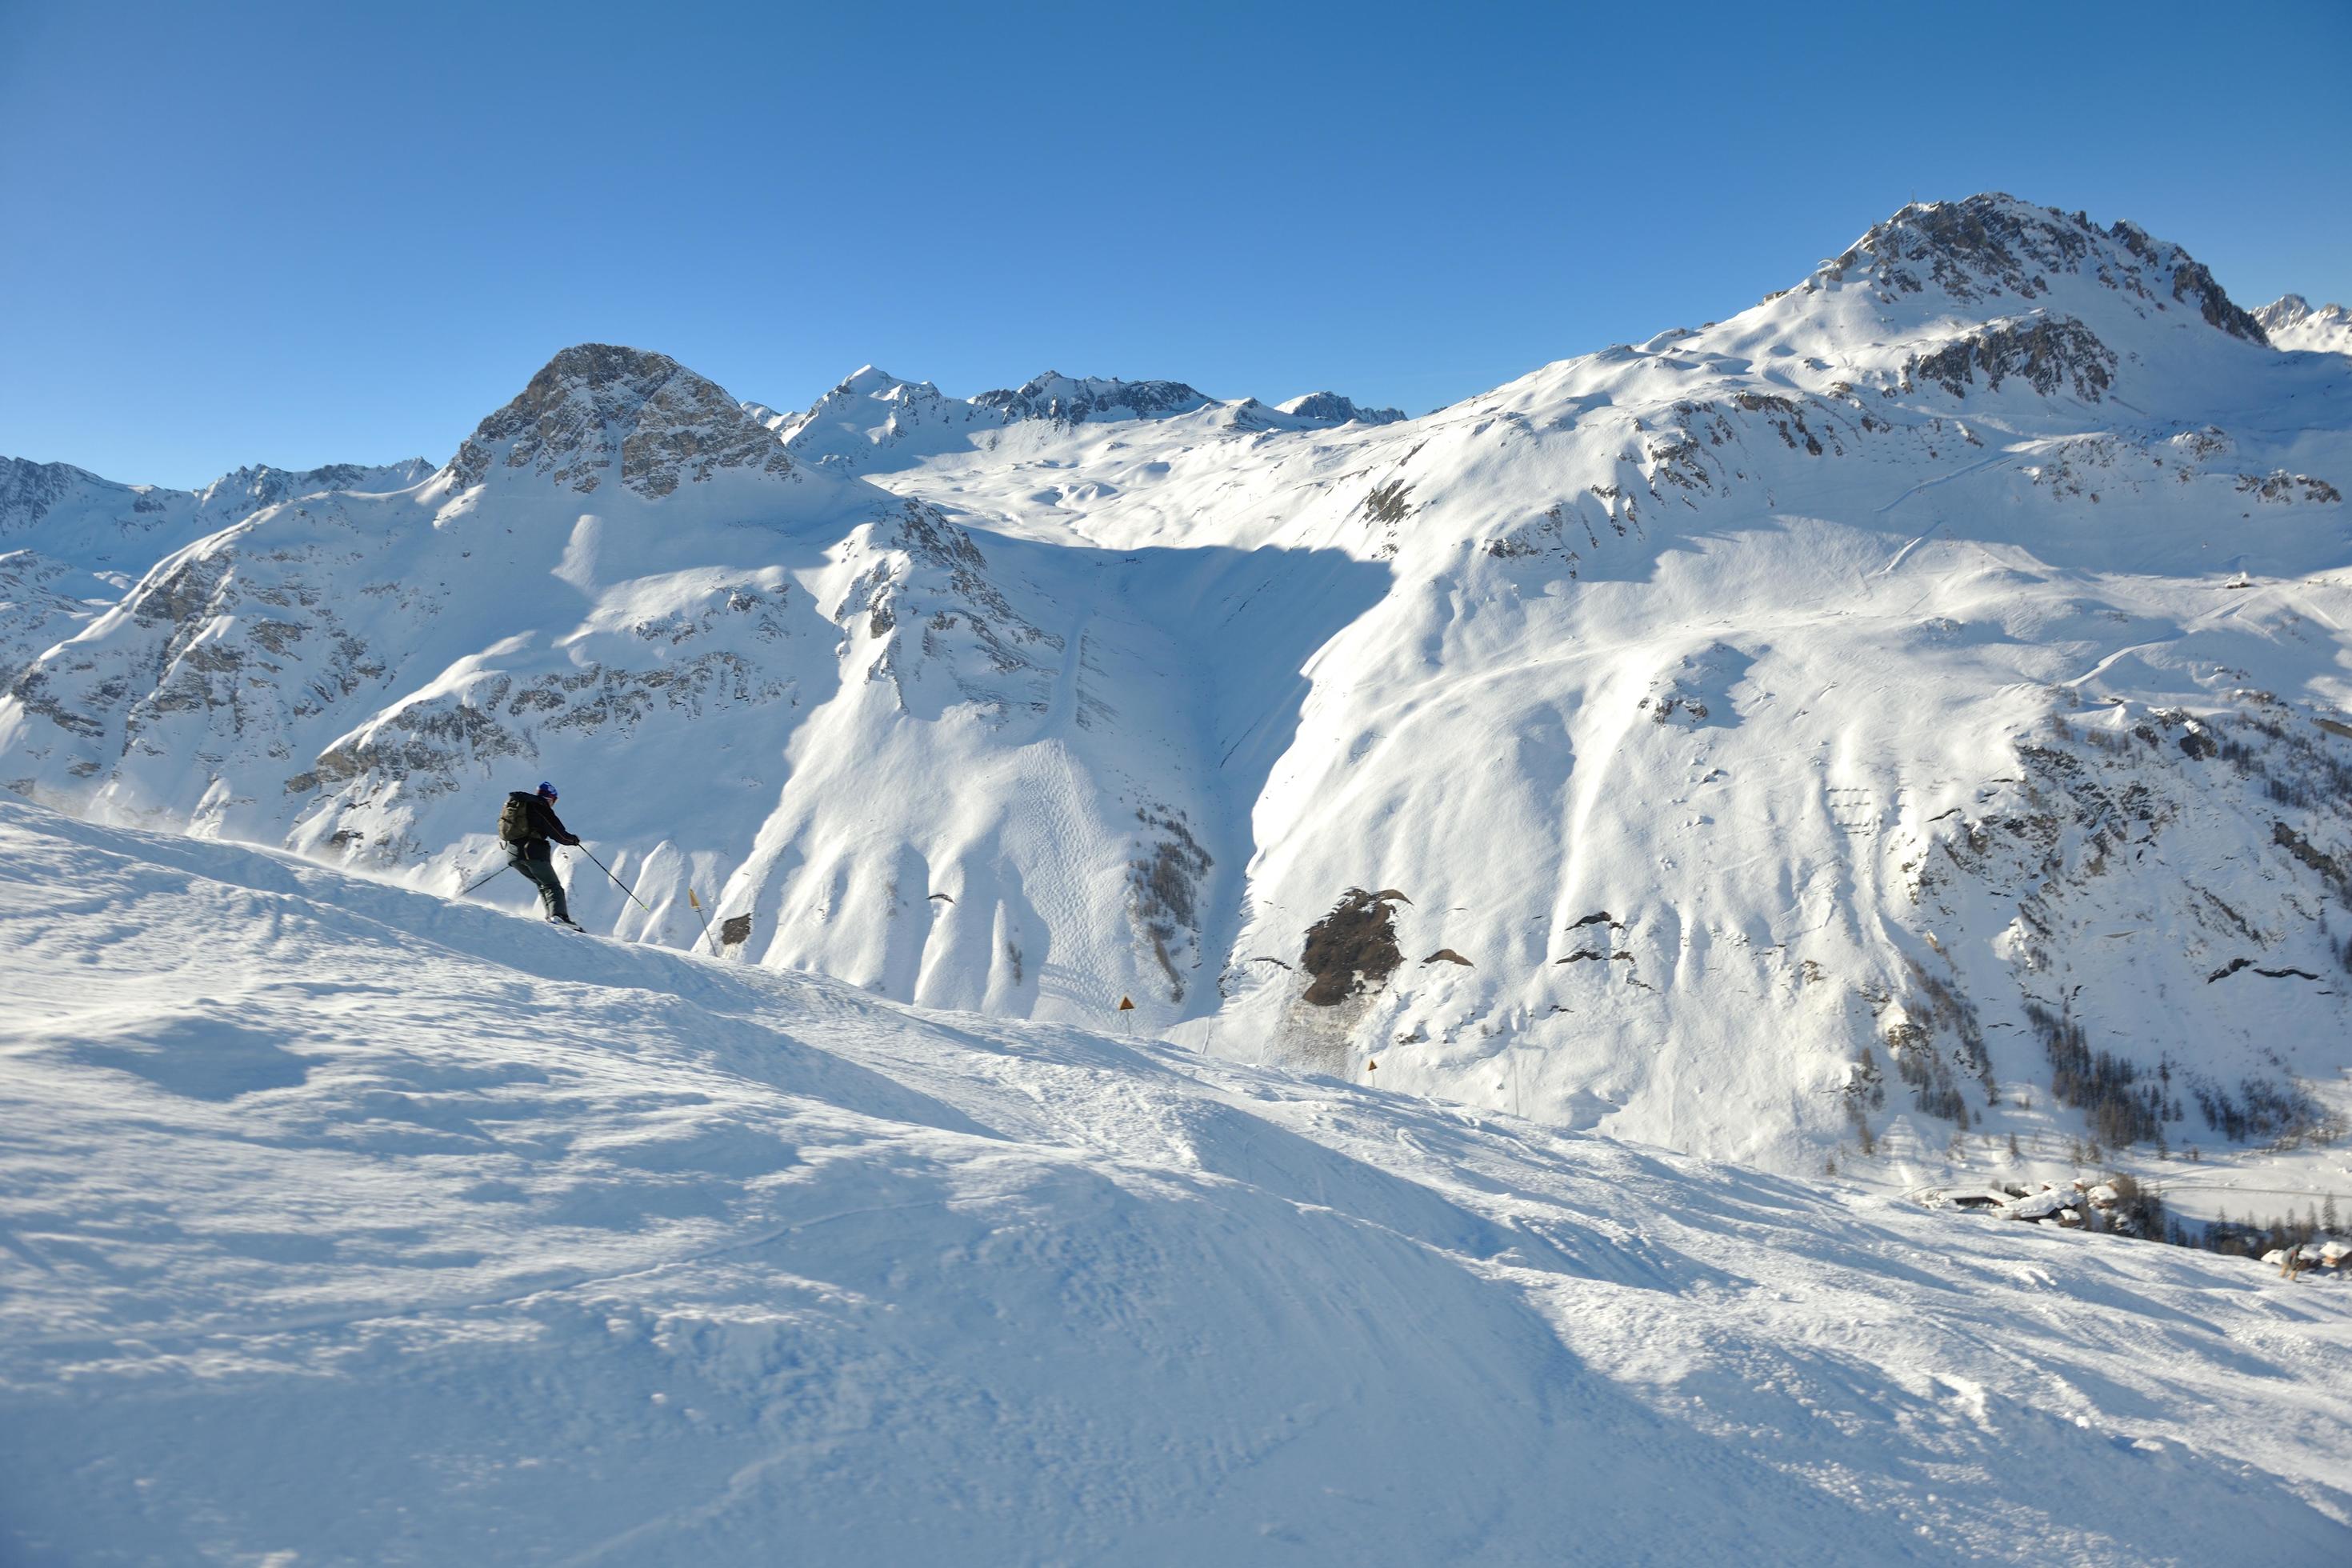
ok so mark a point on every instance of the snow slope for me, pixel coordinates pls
(1775, 738)
(373, 1227)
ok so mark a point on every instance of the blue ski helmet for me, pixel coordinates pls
(547, 789)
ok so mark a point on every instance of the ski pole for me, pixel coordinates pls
(705, 919)
(616, 881)
(471, 886)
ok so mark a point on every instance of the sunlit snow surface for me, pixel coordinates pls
(343, 1223)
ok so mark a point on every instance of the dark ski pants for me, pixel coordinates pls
(537, 862)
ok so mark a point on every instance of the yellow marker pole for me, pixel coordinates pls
(704, 919)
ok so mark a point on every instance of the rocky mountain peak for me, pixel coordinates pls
(598, 408)
(873, 381)
(1338, 410)
(29, 490)
(1991, 248)
(1073, 400)
(2294, 322)
(250, 489)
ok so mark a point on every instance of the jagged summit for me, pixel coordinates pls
(1983, 302)
(871, 380)
(78, 506)
(29, 491)
(868, 409)
(1993, 247)
(873, 417)
(595, 405)
(2293, 323)
(1073, 400)
(258, 485)
(1338, 410)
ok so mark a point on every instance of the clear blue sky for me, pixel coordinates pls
(307, 232)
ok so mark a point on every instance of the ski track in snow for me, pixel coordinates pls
(376, 1229)
(1999, 459)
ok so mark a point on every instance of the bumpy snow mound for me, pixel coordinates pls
(2291, 322)
(346, 1224)
(595, 408)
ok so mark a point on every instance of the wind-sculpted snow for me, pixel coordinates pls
(339, 1223)
(1816, 648)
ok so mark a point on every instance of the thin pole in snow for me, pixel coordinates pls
(706, 920)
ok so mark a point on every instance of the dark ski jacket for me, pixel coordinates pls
(543, 823)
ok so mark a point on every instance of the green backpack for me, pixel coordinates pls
(514, 818)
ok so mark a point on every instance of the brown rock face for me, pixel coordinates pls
(1353, 949)
(596, 406)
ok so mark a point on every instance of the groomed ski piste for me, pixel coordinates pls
(340, 1223)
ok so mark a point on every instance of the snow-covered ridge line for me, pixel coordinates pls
(2291, 323)
(876, 422)
(71, 542)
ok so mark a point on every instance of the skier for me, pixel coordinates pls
(525, 825)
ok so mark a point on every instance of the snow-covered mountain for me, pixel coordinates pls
(2290, 322)
(1337, 410)
(1910, 711)
(873, 422)
(72, 543)
(70, 515)
(344, 1224)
